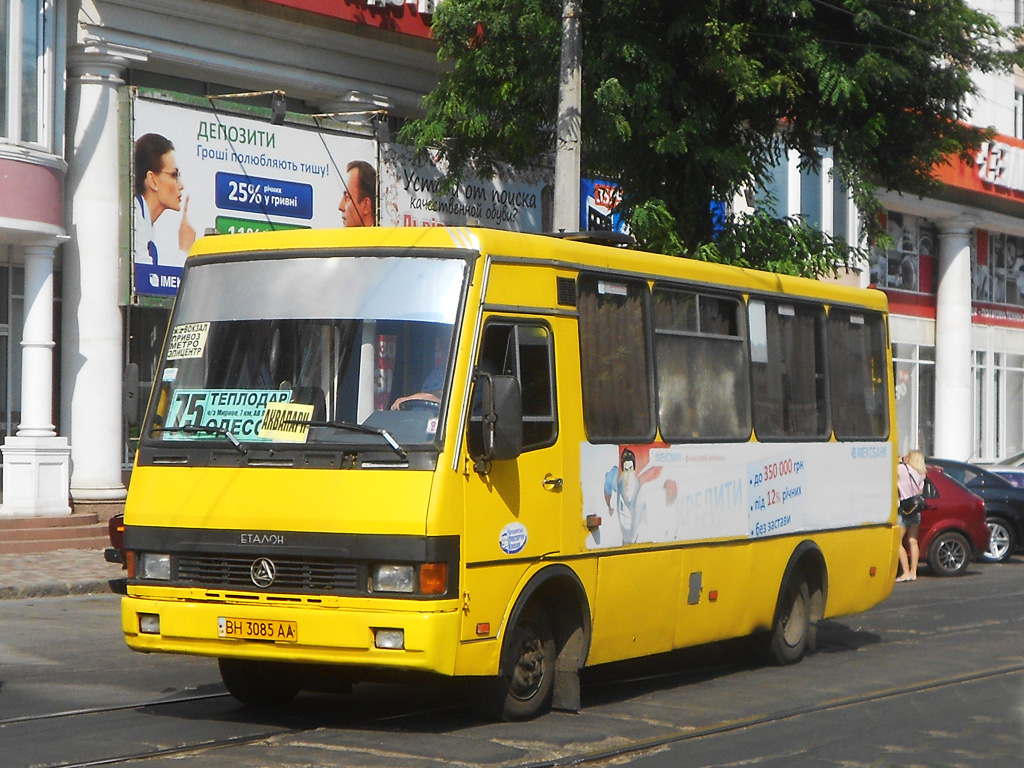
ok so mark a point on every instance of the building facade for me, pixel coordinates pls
(71, 322)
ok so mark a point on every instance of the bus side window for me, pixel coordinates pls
(703, 384)
(615, 359)
(787, 352)
(860, 396)
(524, 350)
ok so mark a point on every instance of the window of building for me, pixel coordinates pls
(701, 361)
(29, 59)
(914, 379)
(821, 198)
(787, 353)
(1001, 278)
(1011, 412)
(1018, 108)
(615, 361)
(998, 404)
(907, 264)
(983, 438)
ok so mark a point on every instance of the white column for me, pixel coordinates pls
(36, 461)
(91, 344)
(954, 401)
(37, 344)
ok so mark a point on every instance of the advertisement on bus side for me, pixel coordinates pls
(649, 494)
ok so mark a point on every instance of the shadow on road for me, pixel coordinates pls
(834, 637)
(439, 706)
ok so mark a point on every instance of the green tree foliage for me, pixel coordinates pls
(686, 101)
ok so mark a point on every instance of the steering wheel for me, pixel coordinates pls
(419, 403)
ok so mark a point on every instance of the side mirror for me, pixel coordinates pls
(131, 394)
(500, 422)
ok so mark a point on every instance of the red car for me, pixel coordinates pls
(953, 529)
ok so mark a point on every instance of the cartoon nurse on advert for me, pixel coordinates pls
(621, 489)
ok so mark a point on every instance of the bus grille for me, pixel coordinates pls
(292, 574)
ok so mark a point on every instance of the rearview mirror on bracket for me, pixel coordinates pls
(499, 422)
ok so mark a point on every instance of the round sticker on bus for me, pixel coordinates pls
(512, 538)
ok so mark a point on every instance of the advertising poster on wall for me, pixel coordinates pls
(411, 195)
(197, 171)
(597, 210)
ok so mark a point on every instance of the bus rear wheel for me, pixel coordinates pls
(788, 637)
(522, 688)
(261, 684)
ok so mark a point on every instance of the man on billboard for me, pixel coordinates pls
(358, 204)
(158, 187)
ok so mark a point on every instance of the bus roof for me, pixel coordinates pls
(525, 246)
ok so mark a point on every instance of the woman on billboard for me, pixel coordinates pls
(158, 187)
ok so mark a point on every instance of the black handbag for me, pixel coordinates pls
(912, 504)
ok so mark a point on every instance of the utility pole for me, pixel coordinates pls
(567, 150)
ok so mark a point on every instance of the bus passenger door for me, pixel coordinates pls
(513, 510)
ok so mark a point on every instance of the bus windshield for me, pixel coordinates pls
(308, 350)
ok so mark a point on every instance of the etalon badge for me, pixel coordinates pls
(262, 572)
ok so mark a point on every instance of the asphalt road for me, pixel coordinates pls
(932, 677)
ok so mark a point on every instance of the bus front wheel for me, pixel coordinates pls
(522, 688)
(787, 640)
(261, 684)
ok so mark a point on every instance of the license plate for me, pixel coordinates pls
(253, 629)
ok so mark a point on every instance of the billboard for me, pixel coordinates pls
(197, 171)
(598, 201)
(412, 194)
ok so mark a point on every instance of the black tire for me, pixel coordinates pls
(261, 684)
(949, 554)
(1002, 540)
(787, 639)
(522, 688)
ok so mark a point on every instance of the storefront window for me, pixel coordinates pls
(908, 264)
(999, 404)
(914, 369)
(981, 427)
(1013, 408)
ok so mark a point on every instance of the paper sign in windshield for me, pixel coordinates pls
(286, 422)
(239, 411)
(187, 341)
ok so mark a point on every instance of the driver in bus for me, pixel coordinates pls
(431, 389)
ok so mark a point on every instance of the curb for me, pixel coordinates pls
(59, 590)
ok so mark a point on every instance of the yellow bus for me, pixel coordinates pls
(375, 453)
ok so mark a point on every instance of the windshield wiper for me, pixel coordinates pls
(195, 429)
(353, 427)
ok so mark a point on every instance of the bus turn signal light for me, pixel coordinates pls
(433, 578)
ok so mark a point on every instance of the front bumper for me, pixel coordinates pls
(326, 635)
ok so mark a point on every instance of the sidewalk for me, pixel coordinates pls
(51, 574)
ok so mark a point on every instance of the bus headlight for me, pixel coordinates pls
(153, 566)
(392, 639)
(393, 578)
